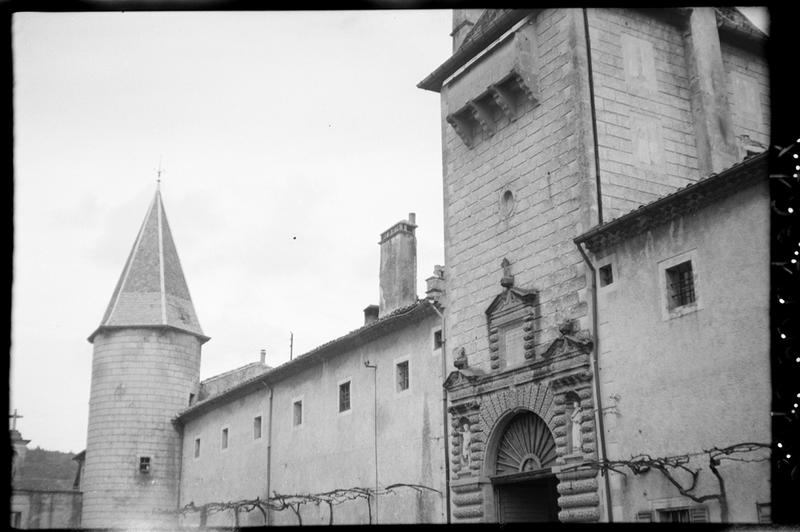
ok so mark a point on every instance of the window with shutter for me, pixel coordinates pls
(696, 514)
(644, 517)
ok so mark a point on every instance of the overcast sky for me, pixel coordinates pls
(289, 142)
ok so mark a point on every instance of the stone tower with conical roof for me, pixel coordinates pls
(146, 364)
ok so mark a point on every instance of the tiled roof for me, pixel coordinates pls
(152, 290)
(682, 201)
(384, 325)
(730, 18)
(482, 24)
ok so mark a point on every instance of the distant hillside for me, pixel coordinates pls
(46, 470)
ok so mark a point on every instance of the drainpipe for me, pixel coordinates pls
(594, 117)
(269, 452)
(444, 417)
(597, 398)
(375, 428)
(596, 330)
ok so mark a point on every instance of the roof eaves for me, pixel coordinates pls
(493, 30)
(681, 201)
(360, 336)
(203, 338)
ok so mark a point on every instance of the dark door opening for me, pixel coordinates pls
(529, 501)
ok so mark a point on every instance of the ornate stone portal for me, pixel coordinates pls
(539, 389)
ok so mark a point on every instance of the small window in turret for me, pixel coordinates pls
(144, 465)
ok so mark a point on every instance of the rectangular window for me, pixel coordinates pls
(764, 513)
(695, 514)
(680, 285)
(437, 339)
(344, 396)
(197, 448)
(257, 427)
(402, 376)
(144, 465)
(674, 516)
(298, 413)
(606, 275)
(16, 519)
(191, 398)
(224, 438)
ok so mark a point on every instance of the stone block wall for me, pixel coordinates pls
(140, 379)
(748, 92)
(645, 129)
(541, 158)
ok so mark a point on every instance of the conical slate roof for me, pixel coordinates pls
(152, 291)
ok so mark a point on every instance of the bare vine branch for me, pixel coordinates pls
(675, 469)
(279, 502)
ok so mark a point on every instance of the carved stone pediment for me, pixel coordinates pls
(510, 300)
(462, 377)
(569, 343)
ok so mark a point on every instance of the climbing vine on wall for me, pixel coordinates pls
(279, 502)
(678, 471)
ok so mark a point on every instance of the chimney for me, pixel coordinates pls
(463, 20)
(370, 314)
(264, 356)
(435, 289)
(398, 274)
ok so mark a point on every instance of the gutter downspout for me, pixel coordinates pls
(596, 379)
(374, 367)
(444, 417)
(269, 454)
(594, 118)
(596, 330)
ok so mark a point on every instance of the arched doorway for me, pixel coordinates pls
(523, 482)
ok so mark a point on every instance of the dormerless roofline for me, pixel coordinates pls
(497, 27)
(494, 30)
(680, 202)
(391, 323)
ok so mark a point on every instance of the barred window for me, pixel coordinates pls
(344, 396)
(680, 285)
(144, 465)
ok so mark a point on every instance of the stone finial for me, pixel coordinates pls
(567, 327)
(507, 281)
(460, 361)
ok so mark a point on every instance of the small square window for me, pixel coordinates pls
(437, 339)
(144, 465)
(402, 376)
(257, 427)
(197, 447)
(680, 285)
(298, 413)
(224, 438)
(344, 396)
(606, 275)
